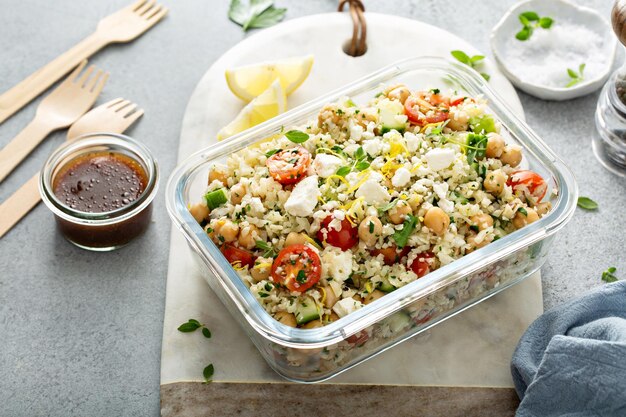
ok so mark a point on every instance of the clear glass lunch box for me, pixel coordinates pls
(313, 355)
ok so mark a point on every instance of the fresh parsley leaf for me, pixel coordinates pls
(255, 13)
(476, 147)
(609, 275)
(206, 332)
(208, 373)
(191, 326)
(297, 136)
(586, 203)
(531, 21)
(362, 165)
(371, 226)
(272, 152)
(462, 57)
(360, 153)
(576, 77)
(301, 277)
(343, 171)
(523, 211)
(268, 251)
(471, 62)
(402, 236)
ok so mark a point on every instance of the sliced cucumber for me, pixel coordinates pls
(306, 310)
(482, 124)
(398, 322)
(385, 286)
(389, 110)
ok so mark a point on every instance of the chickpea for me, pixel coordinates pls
(248, 236)
(495, 145)
(357, 297)
(199, 211)
(511, 155)
(399, 212)
(218, 173)
(482, 220)
(369, 230)
(313, 324)
(520, 220)
(332, 317)
(227, 230)
(285, 318)
(495, 181)
(543, 208)
(459, 120)
(437, 220)
(414, 202)
(400, 93)
(373, 296)
(294, 238)
(261, 269)
(331, 298)
(237, 192)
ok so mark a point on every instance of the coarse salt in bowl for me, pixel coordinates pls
(539, 65)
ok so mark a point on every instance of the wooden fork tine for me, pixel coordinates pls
(158, 16)
(133, 117)
(147, 6)
(89, 85)
(156, 9)
(74, 75)
(100, 84)
(120, 105)
(129, 109)
(112, 102)
(82, 81)
(136, 5)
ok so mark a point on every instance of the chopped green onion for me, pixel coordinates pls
(216, 198)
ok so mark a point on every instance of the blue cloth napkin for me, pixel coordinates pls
(572, 360)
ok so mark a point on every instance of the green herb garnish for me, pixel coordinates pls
(255, 14)
(272, 152)
(530, 21)
(301, 277)
(360, 163)
(371, 227)
(268, 251)
(482, 124)
(402, 236)
(470, 61)
(576, 77)
(608, 275)
(297, 136)
(387, 207)
(343, 171)
(523, 211)
(192, 325)
(208, 373)
(476, 147)
(215, 198)
(586, 203)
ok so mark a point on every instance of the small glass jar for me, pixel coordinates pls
(107, 230)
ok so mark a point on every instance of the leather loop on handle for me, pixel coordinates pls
(358, 44)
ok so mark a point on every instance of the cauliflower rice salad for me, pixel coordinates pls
(330, 216)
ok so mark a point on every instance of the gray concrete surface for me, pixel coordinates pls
(80, 332)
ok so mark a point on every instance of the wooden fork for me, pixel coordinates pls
(122, 26)
(70, 100)
(115, 117)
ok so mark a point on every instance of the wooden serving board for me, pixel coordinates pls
(472, 349)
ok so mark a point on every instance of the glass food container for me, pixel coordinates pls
(313, 355)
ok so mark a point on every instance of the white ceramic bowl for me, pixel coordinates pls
(559, 10)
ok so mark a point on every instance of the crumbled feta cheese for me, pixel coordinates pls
(346, 306)
(303, 198)
(441, 189)
(371, 190)
(336, 264)
(401, 177)
(412, 142)
(326, 165)
(356, 132)
(440, 158)
(373, 147)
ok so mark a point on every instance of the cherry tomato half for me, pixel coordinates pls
(421, 265)
(423, 109)
(529, 184)
(297, 267)
(236, 255)
(391, 254)
(289, 166)
(345, 238)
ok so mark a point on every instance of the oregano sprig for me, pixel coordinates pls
(255, 13)
(192, 325)
(470, 61)
(576, 77)
(609, 275)
(531, 21)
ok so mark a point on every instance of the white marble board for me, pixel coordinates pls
(471, 349)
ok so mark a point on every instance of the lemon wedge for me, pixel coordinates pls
(250, 81)
(270, 103)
